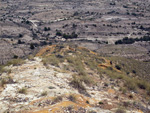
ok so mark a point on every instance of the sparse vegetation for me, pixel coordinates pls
(123, 89)
(6, 80)
(57, 99)
(126, 104)
(118, 67)
(77, 83)
(58, 33)
(87, 102)
(3, 82)
(100, 103)
(51, 87)
(78, 60)
(27, 27)
(133, 71)
(53, 60)
(130, 83)
(47, 28)
(127, 40)
(32, 46)
(87, 80)
(2, 69)
(23, 90)
(143, 84)
(131, 96)
(66, 35)
(16, 62)
(70, 107)
(20, 35)
(44, 93)
(119, 110)
(72, 97)
(92, 111)
(31, 57)
(70, 36)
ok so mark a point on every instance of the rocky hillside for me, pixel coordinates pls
(72, 79)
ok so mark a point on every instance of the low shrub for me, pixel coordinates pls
(77, 83)
(22, 90)
(3, 82)
(100, 103)
(56, 99)
(118, 67)
(131, 85)
(31, 57)
(44, 93)
(87, 80)
(53, 60)
(87, 102)
(15, 62)
(119, 110)
(123, 89)
(72, 98)
(6, 80)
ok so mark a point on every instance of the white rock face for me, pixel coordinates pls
(36, 78)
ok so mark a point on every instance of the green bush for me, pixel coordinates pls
(100, 103)
(118, 67)
(58, 33)
(87, 102)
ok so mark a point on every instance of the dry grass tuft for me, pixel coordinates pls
(23, 90)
